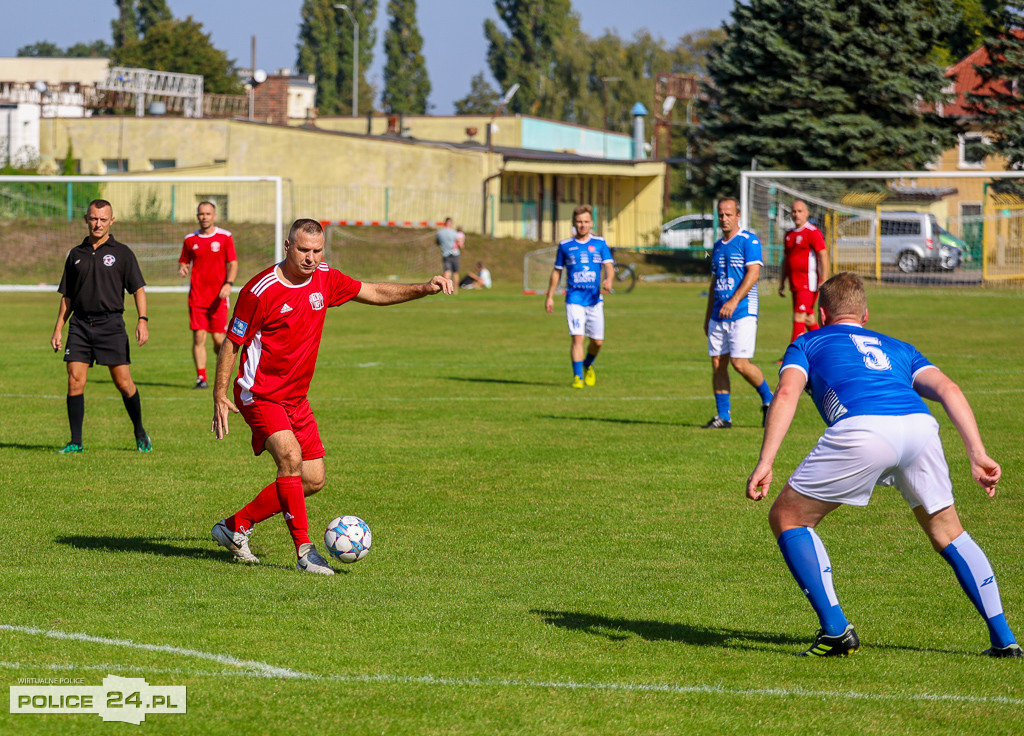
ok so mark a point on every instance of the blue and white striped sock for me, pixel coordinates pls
(975, 575)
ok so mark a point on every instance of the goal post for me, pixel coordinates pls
(951, 228)
(41, 219)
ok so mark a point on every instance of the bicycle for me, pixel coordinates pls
(625, 275)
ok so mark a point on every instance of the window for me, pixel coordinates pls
(163, 163)
(972, 150)
(970, 209)
(115, 165)
(901, 227)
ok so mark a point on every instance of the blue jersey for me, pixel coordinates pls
(582, 262)
(854, 372)
(729, 261)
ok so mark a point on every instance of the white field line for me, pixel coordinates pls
(252, 668)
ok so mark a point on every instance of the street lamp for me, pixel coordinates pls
(355, 58)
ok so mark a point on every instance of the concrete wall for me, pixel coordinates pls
(53, 71)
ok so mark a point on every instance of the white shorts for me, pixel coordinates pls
(856, 454)
(587, 321)
(735, 337)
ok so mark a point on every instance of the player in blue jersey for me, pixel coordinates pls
(589, 268)
(730, 321)
(868, 388)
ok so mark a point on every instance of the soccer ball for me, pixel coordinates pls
(348, 539)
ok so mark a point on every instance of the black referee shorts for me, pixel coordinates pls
(97, 339)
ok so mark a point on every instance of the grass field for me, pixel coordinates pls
(545, 561)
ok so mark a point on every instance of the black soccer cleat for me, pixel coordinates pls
(201, 383)
(833, 646)
(1012, 651)
(717, 423)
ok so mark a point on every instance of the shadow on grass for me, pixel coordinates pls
(165, 546)
(618, 629)
(505, 381)
(611, 420)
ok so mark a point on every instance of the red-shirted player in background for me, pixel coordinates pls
(805, 262)
(210, 251)
(277, 325)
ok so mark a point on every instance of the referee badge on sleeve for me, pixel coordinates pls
(238, 327)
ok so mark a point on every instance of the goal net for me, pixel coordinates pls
(41, 218)
(954, 228)
(383, 253)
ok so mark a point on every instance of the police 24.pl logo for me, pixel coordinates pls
(125, 699)
(108, 260)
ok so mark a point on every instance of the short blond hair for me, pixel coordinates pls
(843, 296)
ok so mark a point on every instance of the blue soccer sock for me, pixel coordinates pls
(589, 360)
(765, 392)
(975, 575)
(577, 368)
(723, 406)
(808, 561)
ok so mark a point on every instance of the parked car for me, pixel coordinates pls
(690, 232)
(911, 241)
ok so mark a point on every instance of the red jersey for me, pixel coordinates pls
(801, 260)
(209, 256)
(279, 328)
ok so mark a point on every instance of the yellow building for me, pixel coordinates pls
(425, 170)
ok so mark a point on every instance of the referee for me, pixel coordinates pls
(97, 274)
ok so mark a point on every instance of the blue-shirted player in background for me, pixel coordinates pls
(868, 388)
(731, 318)
(589, 270)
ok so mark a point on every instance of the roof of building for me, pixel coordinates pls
(965, 80)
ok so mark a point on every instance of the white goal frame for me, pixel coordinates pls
(151, 179)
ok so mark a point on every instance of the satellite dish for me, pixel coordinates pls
(40, 87)
(259, 76)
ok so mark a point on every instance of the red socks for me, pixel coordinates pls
(265, 505)
(201, 374)
(284, 494)
(293, 503)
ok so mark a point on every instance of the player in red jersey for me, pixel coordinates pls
(277, 325)
(805, 262)
(210, 251)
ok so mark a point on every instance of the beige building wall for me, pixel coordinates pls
(451, 128)
(339, 176)
(53, 71)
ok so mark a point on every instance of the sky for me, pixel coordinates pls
(454, 44)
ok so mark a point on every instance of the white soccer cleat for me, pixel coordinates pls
(235, 542)
(312, 561)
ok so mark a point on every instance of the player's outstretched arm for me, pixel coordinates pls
(935, 385)
(223, 406)
(383, 294)
(780, 417)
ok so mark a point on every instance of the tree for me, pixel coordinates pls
(481, 100)
(1001, 106)
(325, 50)
(97, 49)
(181, 46)
(406, 85)
(150, 13)
(125, 26)
(526, 56)
(824, 84)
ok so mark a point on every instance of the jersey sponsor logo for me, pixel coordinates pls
(316, 300)
(108, 260)
(285, 309)
(238, 327)
(584, 277)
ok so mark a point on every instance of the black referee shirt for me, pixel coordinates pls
(95, 280)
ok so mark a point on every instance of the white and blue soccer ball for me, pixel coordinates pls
(348, 538)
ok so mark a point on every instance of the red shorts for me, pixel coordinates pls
(803, 301)
(265, 418)
(211, 319)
